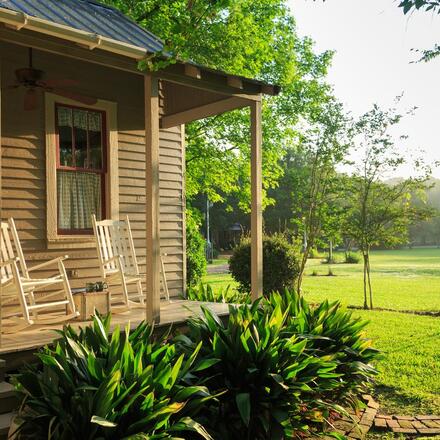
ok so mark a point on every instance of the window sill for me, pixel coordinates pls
(71, 242)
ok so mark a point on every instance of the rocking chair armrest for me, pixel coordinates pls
(48, 263)
(112, 259)
(8, 262)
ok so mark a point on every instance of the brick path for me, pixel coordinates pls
(418, 425)
(358, 424)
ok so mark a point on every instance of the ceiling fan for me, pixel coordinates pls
(33, 81)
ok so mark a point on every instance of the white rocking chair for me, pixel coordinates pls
(118, 262)
(18, 286)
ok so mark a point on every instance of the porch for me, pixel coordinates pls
(19, 347)
(145, 118)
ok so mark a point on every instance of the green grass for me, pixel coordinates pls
(409, 373)
(218, 262)
(402, 280)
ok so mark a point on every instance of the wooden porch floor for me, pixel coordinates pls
(174, 312)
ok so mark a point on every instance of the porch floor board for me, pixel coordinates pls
(175, 312)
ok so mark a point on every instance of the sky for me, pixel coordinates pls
(372, 64)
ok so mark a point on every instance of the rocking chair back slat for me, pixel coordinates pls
(117, 256)
(11, 250)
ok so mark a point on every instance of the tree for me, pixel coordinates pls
(325, 144)
(432, 6)
(380, 211)
(254, 38)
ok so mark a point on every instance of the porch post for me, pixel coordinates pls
(1, 200)
(256, 203)
(151, 92)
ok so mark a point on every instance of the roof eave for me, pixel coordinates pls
(19, 20)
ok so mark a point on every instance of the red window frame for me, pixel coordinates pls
(102, 171)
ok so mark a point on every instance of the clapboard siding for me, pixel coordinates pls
(24, 168)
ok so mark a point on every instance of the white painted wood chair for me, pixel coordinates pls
(27, 297)
(118, 262)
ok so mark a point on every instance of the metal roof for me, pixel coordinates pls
(89, 16)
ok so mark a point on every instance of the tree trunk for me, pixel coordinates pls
(302, 268)
(330, 251)
(369, 280)
(365, 280)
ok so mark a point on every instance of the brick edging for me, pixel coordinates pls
(359, 423)
(418, 425)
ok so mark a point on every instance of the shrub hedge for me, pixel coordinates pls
(195, 251)
(280, 264)
(352, 258)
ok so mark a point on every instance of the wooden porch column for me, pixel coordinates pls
(256, 203)
(1, 200)
(151, 90)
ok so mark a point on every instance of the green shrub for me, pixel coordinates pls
(268, 386)
(331, 332)
(333, 260)
(315, 254)
(228, 294)
(195, 250)
(352, 258)
(280, 264)
(92, 385)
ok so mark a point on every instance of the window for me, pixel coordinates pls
(81, 168)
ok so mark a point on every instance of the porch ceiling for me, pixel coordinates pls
(183, 104)
(189, 91)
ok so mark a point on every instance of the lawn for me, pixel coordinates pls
(409, 374)
(402, 280)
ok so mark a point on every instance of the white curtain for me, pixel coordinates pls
(79, 196)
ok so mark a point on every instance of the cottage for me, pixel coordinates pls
(84, 131)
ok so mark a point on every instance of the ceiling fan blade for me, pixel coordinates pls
(30, 100)
(87, 100)
(58, 83)
(11, 87)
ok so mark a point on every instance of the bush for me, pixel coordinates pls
(92, 385)
(224, 295)
(332, 332)
(195, 251)
(351, 258)
(280, 264)
(333, 260)
(277, 369)
(315, 254)
(267, 385)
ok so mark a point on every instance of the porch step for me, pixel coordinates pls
(5, 423)
(8, 398)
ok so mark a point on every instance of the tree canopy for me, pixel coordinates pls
(432, 6)
(253, 38)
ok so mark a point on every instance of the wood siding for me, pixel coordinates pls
(23, 169)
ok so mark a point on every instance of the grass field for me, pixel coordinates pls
(402, 280)
(409, 374)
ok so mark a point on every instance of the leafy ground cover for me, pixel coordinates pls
(409, 373)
